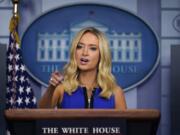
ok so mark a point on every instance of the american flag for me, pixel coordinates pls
(19, 92)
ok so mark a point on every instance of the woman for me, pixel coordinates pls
(88, 81)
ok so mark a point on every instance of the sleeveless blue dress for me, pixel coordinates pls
(79, 100)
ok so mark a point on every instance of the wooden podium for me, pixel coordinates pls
(103, 121)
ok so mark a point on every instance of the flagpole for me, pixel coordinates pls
(13, 30)
(19, 92)
(15, 7)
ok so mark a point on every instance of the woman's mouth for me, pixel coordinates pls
(84, 61)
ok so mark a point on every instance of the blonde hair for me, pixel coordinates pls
(105, 79)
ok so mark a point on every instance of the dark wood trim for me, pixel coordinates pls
(38, 114)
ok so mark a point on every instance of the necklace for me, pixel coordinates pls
(89, 102)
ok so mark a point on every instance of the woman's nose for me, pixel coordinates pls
(85, 51)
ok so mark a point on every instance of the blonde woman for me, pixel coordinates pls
(88, 81)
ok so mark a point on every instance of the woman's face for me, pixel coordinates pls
(87, 52)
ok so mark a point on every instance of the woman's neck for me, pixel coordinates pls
(88, 79)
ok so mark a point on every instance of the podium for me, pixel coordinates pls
(83, 121)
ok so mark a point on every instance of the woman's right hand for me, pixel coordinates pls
(56, 78)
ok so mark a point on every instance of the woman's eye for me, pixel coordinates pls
(93, 48)
(79, 46)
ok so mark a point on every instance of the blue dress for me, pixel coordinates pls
(79, 100)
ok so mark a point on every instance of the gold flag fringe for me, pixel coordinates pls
(13, 26)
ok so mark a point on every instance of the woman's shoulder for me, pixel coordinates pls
(117, 90)
(120, 102)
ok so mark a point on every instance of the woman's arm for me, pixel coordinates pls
(51, 97)
(45, 101)
(120, 101)
(57, 96)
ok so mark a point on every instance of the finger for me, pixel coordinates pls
(57, 73)
(61, 78)
(58, 77)
(53, 82)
